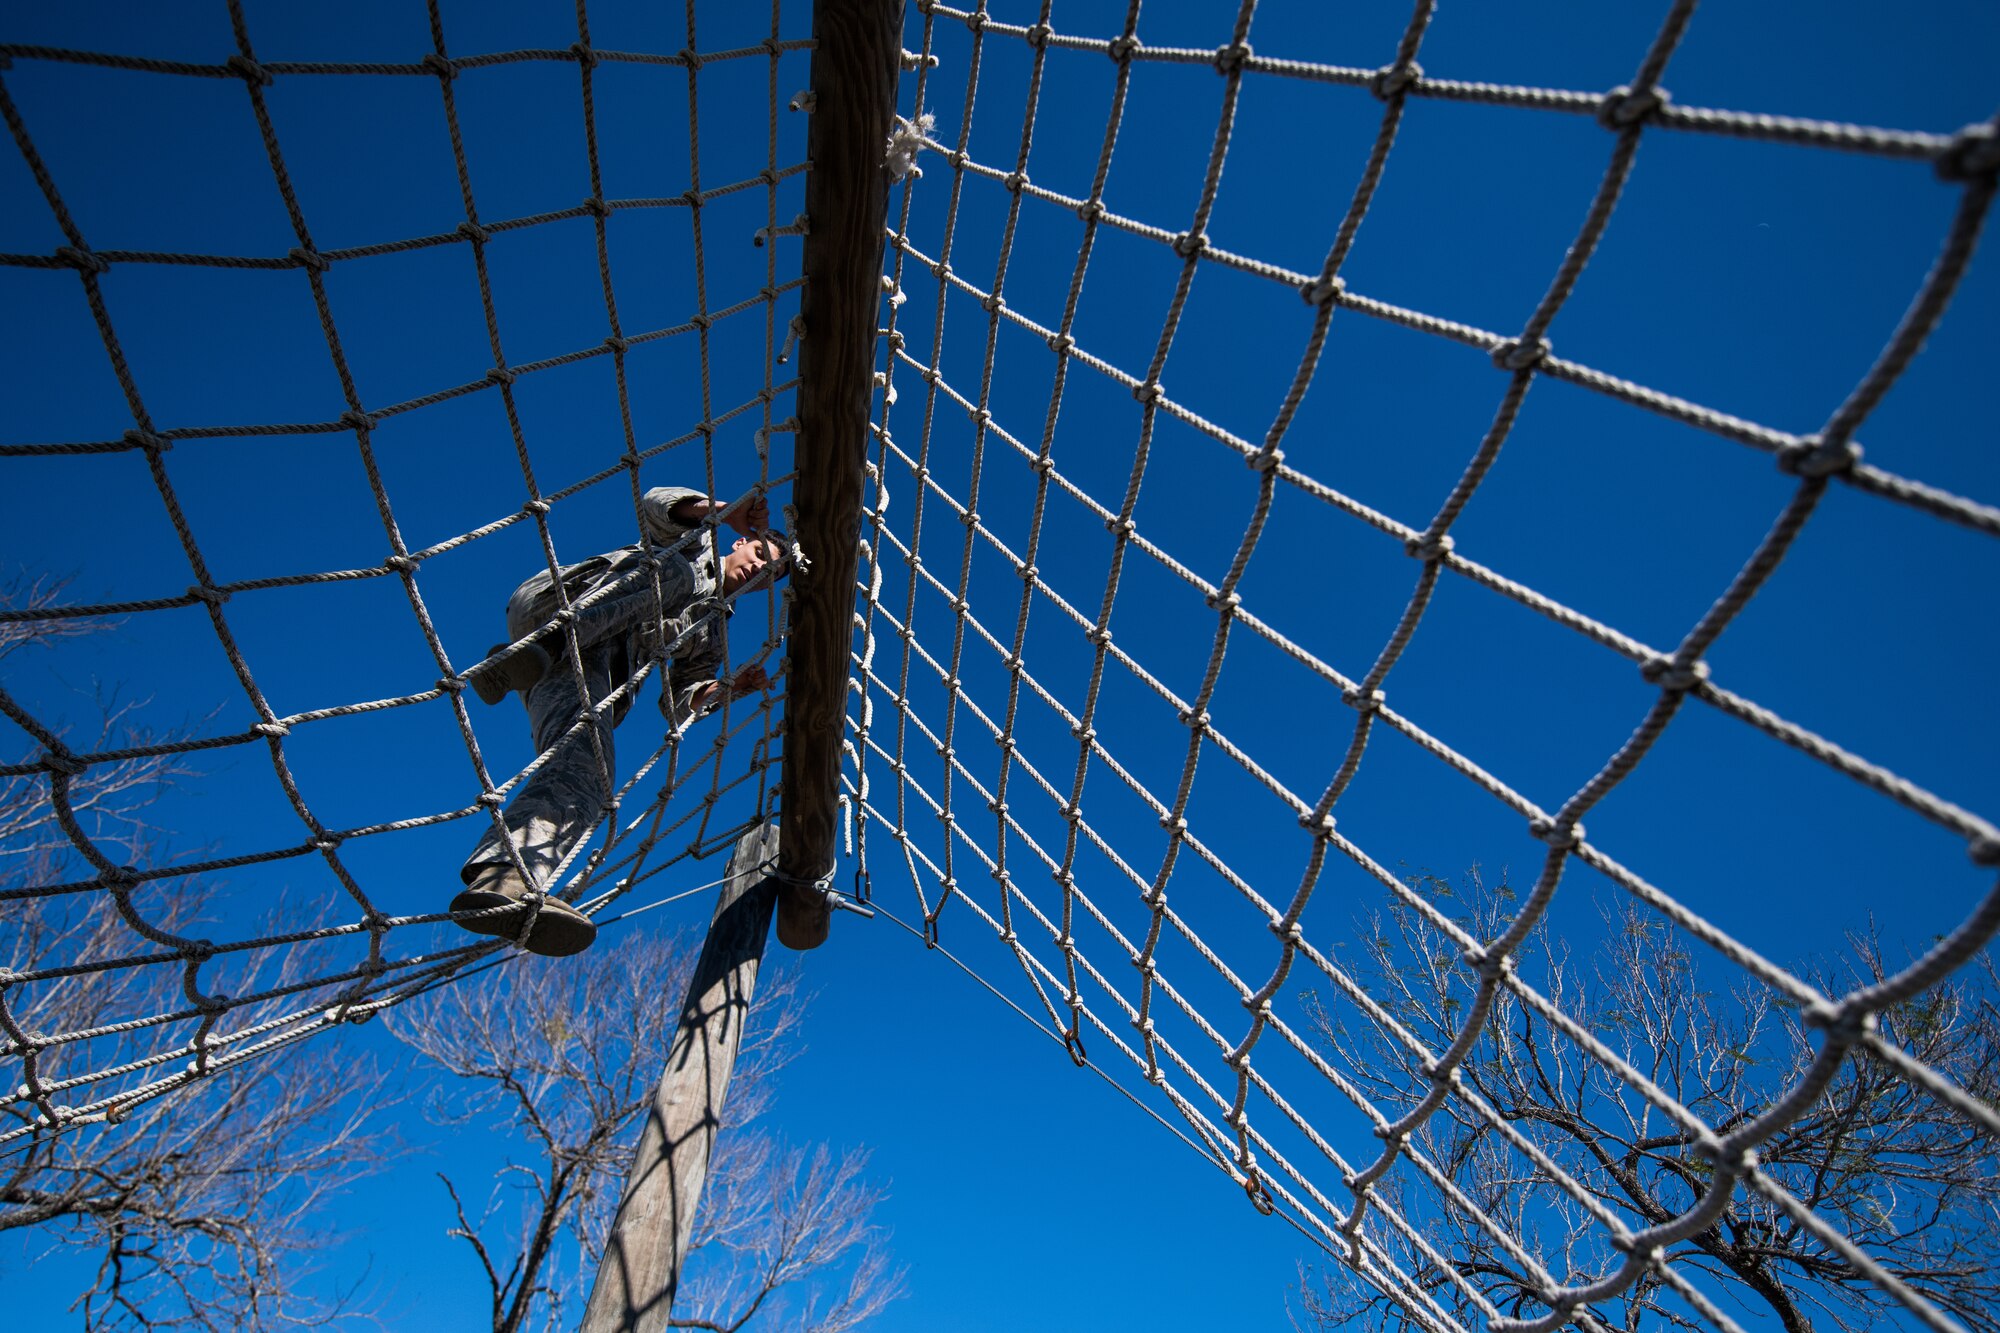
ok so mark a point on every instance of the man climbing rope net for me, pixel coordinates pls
(618, 627)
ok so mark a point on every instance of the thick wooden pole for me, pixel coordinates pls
(641, 1268)
(854, 67)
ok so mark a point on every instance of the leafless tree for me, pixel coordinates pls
(198, 1205)
(564, 1055)
(1908, 1179)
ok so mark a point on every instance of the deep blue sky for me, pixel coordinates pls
(1757, 279)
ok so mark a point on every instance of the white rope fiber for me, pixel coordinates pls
(955, 814)
(672, 808)
(1205, 1018)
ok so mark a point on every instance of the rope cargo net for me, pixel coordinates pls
(967, 764)
(975, 771)
(690, 797)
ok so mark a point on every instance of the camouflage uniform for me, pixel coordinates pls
(561, 802)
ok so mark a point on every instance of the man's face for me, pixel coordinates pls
(755, 560)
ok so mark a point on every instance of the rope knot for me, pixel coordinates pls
(1038, 36)
(451, 684)
(1266, 459)
(1428, 546)
(1230, 59)
(1189, 244)
(992, 304)
(1395, 80)
(492, 800)
(1083, 733)
(147, 440)
(309, 259)
(1091, 210)
(1321, 290)
(248, 70)
(67, 764)
(1291, 932)
(1973, 152)
(1623, 108)
(1120, 526)
(1723, 1158)
(535, 508)
(587, 57)
(1557, 835)
(1319, 825)
(499, 375)
(1152, 391)
(1027, 574)
(202, 592)
(1844, 1022)
(1099, 635)
(82, 260)
(1490, 966)
(1061, 344)
(619, 344)
(596, 207)
(1813, 457)
(401, 564)
(473, 232)
(1224, 602)
(1512, 355)
(1363, 701)
(1122, 49)
(1015, 181)
(355, 419)
(1190, 718)
(439, 64)
(689, 56)
(1673, 676)
(328, 841)
(271, 730)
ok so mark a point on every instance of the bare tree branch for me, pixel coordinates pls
(1908, 1179)
(564, 1053)
(200, 1203)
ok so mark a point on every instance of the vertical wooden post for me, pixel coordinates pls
(856, 58)
(641, 1267)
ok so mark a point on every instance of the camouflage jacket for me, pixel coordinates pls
(624, 624)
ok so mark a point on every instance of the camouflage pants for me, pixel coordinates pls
(561, 803)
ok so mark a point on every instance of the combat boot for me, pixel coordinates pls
(494, 681)
(559, 930)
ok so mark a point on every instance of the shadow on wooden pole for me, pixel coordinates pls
(856, 60)
(640, 1271)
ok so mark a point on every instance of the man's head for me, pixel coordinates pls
(753, 562)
